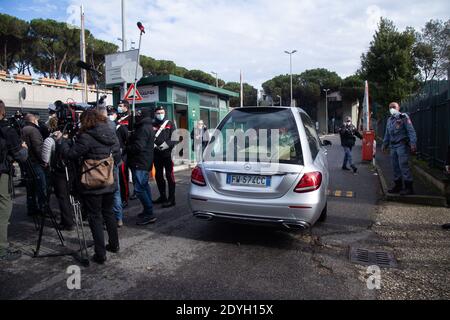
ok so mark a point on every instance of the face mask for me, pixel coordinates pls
(394, 111)
(120, 110)
(160, 117)
(348, 123)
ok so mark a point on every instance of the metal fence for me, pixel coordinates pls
(429, 110)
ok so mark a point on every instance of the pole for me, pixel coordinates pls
(124, 42)
(83, 57)
(242, 92)
(135, 79)
(326, 110)
(290, 60)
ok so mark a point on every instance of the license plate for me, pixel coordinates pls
(248, 180)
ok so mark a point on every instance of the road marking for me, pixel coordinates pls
(341, 194)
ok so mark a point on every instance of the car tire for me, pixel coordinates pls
(323, 215)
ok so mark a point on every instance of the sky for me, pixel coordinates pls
(226, 36)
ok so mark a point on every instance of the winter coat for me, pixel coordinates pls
(33, 138)
(348, 135)
(10, 147)
(96, 144)
(140, 146)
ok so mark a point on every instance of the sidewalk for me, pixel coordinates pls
(425, 192)
(421, 248)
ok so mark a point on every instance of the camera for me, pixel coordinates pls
(68, 114)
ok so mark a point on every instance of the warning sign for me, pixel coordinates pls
(130, 94)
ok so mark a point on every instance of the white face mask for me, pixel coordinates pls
(394, 111)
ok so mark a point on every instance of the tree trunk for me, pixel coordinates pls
(58, 76)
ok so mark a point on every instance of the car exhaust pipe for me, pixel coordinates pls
(203, 216)
(296, 226)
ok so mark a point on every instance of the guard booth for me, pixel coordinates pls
(186, 101)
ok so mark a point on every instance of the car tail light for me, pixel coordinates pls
(309, 182)
(197, 177)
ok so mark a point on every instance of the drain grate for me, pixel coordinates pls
(368, 257)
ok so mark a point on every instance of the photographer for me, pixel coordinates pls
(11, 148)
(36, 176)
(97, 143)
(53, 160)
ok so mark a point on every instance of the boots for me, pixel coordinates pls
(397, 187)
(408, 189)
(162, 199)
(169, 203)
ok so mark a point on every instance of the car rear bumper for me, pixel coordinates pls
(297, 210)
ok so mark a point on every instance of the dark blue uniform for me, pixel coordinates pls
(399, 136)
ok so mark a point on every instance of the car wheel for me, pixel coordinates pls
(323, 215)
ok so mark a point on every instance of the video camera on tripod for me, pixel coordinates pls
(68, 114)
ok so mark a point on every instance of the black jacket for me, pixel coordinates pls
(123, 135)
(164, 136)
(140, 146)
(96, 143)
(348, 135)
(33, 138)
(11, 147)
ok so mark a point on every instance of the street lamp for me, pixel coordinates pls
(326, 109)
(217, 80)
(279, 97)
(290, 60)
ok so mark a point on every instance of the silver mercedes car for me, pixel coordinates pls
(263, 165)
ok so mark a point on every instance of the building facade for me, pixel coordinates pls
(186, 101)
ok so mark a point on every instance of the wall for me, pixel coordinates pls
(40, 96)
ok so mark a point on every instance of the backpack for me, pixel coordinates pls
(97, 174)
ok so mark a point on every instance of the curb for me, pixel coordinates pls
(440, 185)
(434, 201)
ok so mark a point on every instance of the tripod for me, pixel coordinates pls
(81, 255)
(45, 209)
(76, 205)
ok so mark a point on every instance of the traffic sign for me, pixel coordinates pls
(114, 63)
(130, 92)
(128, 70)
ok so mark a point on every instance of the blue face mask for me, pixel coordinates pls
(120, 110)
(160, 117)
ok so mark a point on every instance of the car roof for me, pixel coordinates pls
(269, 107)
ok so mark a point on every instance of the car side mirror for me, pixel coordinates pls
(326, 143)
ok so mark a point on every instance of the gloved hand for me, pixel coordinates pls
(163, 147)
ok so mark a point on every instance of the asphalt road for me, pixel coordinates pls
(181, 257)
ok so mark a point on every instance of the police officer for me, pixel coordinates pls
(401, 137)
(163, 129)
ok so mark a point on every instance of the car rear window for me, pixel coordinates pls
(257, 134)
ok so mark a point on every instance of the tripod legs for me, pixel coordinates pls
(84, 256)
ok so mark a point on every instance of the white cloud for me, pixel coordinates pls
(226, 36)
